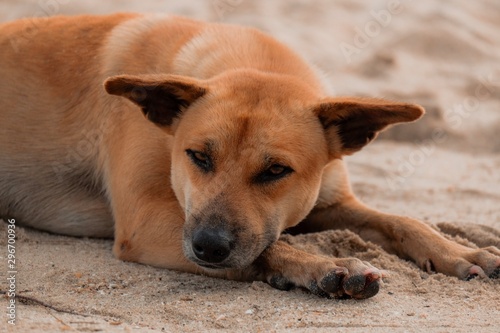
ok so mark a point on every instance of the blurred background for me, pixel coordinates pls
(444, 55)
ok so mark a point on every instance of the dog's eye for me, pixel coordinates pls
(276, 169)
(274, 172)
(202, 160)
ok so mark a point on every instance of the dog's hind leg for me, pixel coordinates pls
(45, 204)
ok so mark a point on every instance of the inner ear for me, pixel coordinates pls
(162, 98)
(351, 123)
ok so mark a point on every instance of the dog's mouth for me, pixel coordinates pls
(230, 264)
(211, 266)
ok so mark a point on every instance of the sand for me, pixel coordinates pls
(442, 169)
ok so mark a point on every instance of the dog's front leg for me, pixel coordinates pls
(406, 237)
(148, 220)
(152, 235)
(284, 267)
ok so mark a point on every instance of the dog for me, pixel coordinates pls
(195, 145)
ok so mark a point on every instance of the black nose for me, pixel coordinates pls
(211, 245)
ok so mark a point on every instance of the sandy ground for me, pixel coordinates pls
(443, 169)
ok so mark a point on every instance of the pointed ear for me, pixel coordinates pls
(162, 98)
(351, 123)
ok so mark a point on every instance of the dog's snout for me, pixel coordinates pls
(211, 245)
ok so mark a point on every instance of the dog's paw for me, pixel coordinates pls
(362, 280)
(343, 278)
(466, 263)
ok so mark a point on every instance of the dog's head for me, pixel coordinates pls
(249, 152)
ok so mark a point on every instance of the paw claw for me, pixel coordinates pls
(429, 266)
(372, 275)
(475, 272)
(471, 277)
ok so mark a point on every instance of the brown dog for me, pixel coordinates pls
(238, 143)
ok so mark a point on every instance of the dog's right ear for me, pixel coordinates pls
(351, 123)
(161, 97)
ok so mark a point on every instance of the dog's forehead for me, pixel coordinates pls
(253, 88)
(256, 115)
(258, 134)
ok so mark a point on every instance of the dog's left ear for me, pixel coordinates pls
(351, 123)
(161, 97)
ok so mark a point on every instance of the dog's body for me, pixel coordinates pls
(239, 144)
